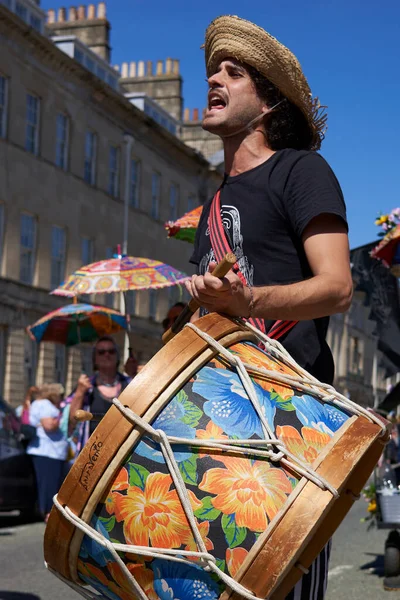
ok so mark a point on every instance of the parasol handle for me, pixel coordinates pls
(221, 269)
(83, 415)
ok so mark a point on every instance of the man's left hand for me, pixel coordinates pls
(131, 366)
(228, 295)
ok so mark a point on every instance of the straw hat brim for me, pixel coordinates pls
(231, 36)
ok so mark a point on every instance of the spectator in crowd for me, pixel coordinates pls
(95, 394)
(172, 315)
(50, 446)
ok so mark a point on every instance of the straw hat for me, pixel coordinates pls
(230, 36)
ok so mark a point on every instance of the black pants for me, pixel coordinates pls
(313, 585)
(49, 477)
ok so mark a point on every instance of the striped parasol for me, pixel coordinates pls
(76, 323)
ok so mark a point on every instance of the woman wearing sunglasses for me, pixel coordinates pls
(95, 394)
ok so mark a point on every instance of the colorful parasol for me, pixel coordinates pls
(185, 227)
(76, 323)
(388, 250)
(120, 274)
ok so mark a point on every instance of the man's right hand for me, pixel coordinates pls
(84, 384)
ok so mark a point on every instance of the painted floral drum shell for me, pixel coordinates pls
(260, 520)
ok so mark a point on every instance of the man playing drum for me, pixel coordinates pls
(280, 208)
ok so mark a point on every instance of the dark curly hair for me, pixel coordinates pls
(287, 126)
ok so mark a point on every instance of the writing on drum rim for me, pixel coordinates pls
(94, 454)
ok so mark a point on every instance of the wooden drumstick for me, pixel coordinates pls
(83, 415)
(221, 269)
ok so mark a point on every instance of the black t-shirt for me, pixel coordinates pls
(265, 212)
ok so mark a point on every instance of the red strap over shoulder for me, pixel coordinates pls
(220, 246)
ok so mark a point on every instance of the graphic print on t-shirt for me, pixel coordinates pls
(232, 227)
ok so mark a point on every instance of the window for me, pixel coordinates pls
(21, 11)
(3, 355)
(87, 251)
(2, 223)
(90, 157)
(173, 202)
(113, 165)
(58, 247)
(108, 299)
(62, 135)
(155, 195)
(192, 203)
(36, 23)
(60, 361)
(28, 245)
(130, 299)
(3, 106)
(135, 183)
(30, 362)
(152, 304)
(356, 356)
(32, 124)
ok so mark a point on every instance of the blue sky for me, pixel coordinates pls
(350, 53)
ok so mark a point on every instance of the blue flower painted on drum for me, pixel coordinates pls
(324, 417)
(170, 421)
(92, 548)
(177, 581)
(228, 404)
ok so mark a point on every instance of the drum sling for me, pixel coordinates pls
(220, 246)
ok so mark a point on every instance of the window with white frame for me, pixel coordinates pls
(32, 123)
(155, 195)
(192, 202)
(130, 299)
(87, 251)
(60, 363)
(135, 183)
(3, 105)
(2, 231)
(152, 304)
(62, 141)
(27, 248)
(3, 355)
(30, 362)
(58, 250)
(113, 171)
(173, 201)
(90, 157)
(108, 299)
(21, 11)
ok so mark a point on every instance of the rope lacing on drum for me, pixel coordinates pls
(271, 447)
(304, 382)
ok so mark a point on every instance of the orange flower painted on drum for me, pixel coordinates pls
(235, 557)
(120, 586)
(253, 491)
(306, 446)
(254, 356)
(88, 570)
(211, 432)
(204, 528)
(155, 515)
(121, 482)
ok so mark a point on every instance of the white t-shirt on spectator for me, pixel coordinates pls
(52, 444)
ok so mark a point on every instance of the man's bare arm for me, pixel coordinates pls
(327, 292)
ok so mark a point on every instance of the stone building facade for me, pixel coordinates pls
(74, 152)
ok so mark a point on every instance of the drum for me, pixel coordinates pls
(221, 471)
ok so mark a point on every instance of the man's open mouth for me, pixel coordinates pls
(216, 102)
